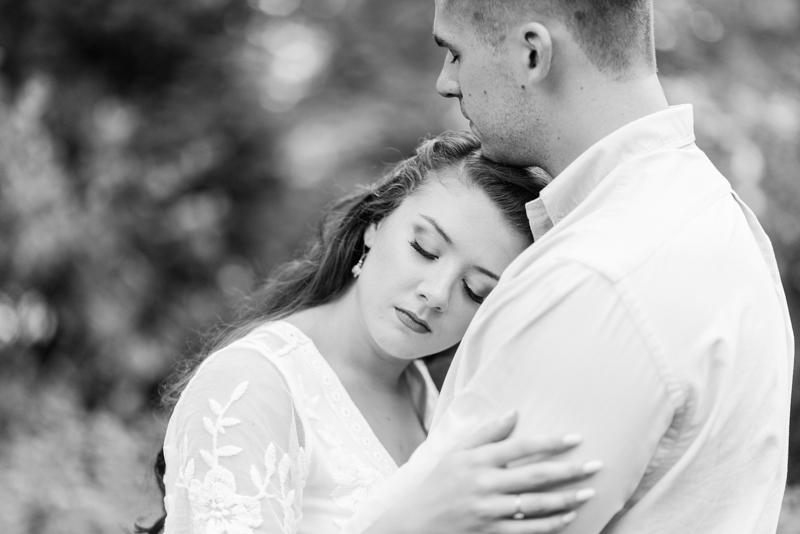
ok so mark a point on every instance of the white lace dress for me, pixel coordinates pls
(265, 439)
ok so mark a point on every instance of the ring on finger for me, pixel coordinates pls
(518, 513)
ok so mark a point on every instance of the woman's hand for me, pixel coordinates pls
(494, 484)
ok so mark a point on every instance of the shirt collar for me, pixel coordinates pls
(671, 128)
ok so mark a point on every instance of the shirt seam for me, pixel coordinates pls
(708, 200)
(676, 395)
(675, 144)
(644, 328)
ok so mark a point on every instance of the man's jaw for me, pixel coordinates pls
(474, 130)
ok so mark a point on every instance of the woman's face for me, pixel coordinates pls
(430, 264)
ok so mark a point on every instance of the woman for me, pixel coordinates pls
(314, 402)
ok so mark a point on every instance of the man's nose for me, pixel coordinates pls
(447, 84)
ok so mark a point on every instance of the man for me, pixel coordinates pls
(649, 314)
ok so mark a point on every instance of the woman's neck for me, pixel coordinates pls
(340, 334)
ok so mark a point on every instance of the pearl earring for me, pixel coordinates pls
(357, 267)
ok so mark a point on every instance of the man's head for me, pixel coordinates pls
(514, 64)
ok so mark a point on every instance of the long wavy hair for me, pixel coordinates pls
(323, 271)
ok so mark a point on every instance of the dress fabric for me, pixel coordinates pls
(265, 439)
(649, 317)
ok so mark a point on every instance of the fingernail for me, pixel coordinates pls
(572, 439)
(592, 467)
(584, 494)
(569, 518)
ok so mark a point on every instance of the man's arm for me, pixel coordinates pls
(571, 352)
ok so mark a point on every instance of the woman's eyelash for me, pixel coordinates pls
(470, 294)
(425, 254)
(416, 246)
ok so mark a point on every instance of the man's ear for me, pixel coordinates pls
(369, 234)
(536, 49)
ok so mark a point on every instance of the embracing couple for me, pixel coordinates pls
(624, 347)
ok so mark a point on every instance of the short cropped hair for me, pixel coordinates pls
(616, 35)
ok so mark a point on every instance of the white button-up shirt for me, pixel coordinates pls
(649, 317)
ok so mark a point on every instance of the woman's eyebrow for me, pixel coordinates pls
(446, 237)
(438, 228)
(488, 273)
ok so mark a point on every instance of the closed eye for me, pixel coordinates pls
(470, 293)
(441, 43)
(424, 253)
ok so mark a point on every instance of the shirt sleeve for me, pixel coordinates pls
(563, 346)
(239, 463)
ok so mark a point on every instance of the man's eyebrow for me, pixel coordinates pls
(438, 228)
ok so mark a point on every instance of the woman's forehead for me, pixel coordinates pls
(448, 198)
(475, 226)
(449, 181)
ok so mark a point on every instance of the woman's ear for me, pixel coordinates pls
(536, 48)
(369, 234)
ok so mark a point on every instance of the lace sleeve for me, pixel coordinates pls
(235, 454)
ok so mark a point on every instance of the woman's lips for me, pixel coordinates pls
(412, 321)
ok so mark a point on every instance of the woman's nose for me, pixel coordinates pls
(435, 294)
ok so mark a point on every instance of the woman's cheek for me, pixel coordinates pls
(458, 326)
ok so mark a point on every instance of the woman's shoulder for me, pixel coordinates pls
(267, 346)
(260, 361)
(275, 339)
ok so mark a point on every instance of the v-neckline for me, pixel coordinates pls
(347, 410)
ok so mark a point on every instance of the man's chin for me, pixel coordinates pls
(493, 152)
(501, 154)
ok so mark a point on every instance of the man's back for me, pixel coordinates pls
(665, 285)
(680, 249)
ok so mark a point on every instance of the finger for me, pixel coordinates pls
(539, 525)
(541, 475)
(534, 505)
(504, 452)
(491, 432)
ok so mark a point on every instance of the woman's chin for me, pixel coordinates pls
(400, 347)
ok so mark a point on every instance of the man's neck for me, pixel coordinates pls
(589, 116)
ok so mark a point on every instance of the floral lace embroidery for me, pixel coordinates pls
(354, 421)
(354, 479)
(217, 508)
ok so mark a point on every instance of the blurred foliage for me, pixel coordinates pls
(159, 156)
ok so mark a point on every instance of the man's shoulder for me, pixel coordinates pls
(638, 209)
